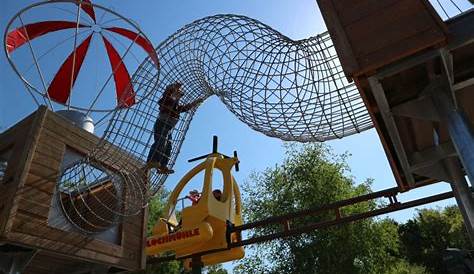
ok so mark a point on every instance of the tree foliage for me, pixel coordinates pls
(156, 206)
(309, 177)
(402, 266)
(216, 269)
(312, 176)
(426, 236)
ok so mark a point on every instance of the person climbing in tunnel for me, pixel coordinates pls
(168, 117)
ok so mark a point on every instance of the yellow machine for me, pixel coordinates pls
(203, 226)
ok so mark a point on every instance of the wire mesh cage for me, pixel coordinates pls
(292, 90)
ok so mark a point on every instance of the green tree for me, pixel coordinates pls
(401, 266)
(425, 237)
(215, 269)
(312, 176)
(156, 206)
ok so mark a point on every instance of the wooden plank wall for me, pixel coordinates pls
(15, 139)
(47, 263)
(28, 217)
(369, 34)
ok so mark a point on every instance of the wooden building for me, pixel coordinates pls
(415, 73)
(395, 51)
(31, 153)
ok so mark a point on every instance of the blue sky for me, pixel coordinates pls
(158, 19)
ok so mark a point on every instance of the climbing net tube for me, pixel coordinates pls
(292, 90)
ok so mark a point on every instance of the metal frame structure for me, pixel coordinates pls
(439, 102)
(286, 222)
(84, 13)
(442, 162)
(292, 90)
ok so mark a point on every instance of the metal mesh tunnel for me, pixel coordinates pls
(292, 90)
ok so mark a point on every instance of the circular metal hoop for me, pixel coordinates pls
(91, 29)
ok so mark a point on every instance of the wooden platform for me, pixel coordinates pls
(369, 34)
(396, 52)
(36, 146)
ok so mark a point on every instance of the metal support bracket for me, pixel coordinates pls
(424, 107)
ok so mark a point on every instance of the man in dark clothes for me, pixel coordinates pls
(170, 109)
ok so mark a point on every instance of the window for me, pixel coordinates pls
(88, 198)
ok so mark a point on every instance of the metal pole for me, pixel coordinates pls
(462, 137)
(15, 262)
(214, 144)
(459, 127)
(196, 265)
(462, 193)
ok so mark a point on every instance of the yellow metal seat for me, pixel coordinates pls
(203, 225)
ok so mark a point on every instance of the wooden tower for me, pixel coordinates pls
(31, 153)
(415, 73)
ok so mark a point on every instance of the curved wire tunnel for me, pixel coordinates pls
(292, 90)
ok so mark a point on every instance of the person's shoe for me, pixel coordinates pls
(164, 170)
(147, 168)
(151, 165)
(158, 167)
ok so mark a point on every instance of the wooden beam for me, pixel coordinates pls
(379, 95)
